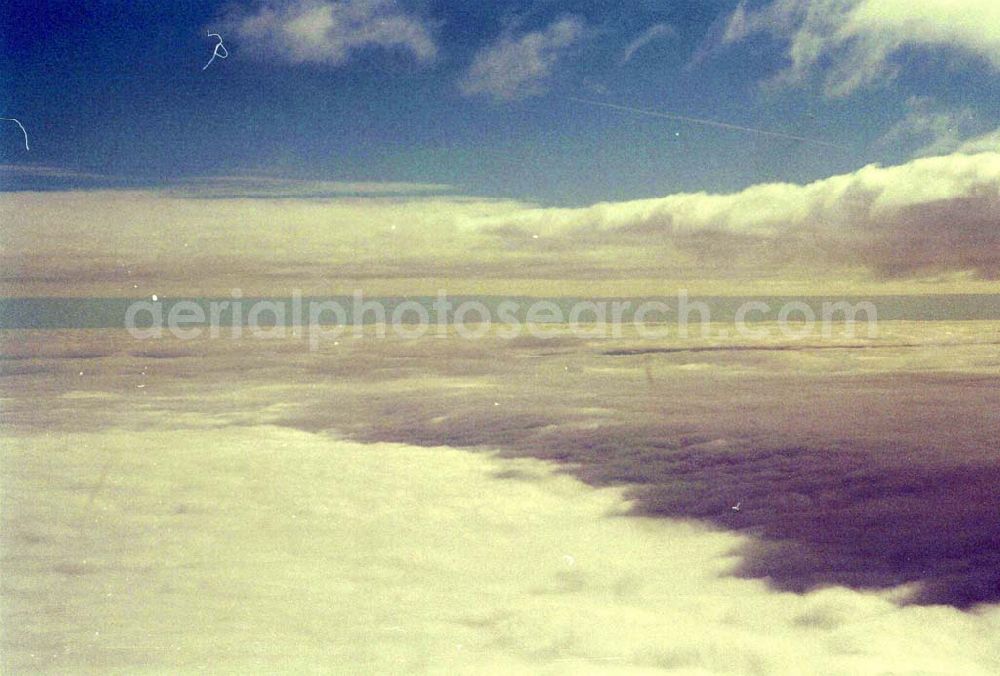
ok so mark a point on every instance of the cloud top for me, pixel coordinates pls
(931, 214)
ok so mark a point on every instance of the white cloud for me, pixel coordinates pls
(262, 548)
(659, 30)
(518, 67)
(853, 41)
(330, 31)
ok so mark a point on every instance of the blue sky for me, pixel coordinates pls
(118, 89)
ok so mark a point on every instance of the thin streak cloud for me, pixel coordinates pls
(708, 123)
(660, 30)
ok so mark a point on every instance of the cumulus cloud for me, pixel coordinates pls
(660, 30)
(330, 31)
(853, 42)
(516, 67)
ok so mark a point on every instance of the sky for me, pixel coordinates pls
(623, 128)
(480, 95)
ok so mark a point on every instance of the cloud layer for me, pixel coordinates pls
(853, 42)
(198, 521)
(515, 67)
(928, 217)
(868, 468)
(330, 31)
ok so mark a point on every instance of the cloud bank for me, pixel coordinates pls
(854, 41)
(926, 218)
(516, 67)
(931, 214)
(325, 31)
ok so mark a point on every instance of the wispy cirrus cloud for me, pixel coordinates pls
(655, 32)
(850, 44)
(932, 128)
(516, 67)
(331, 31)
